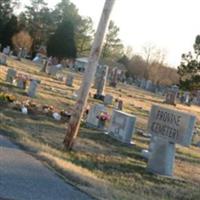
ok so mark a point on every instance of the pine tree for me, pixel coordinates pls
(113, 47)
(6, 10)
(9, 30)
(189, 69)
(62, 43)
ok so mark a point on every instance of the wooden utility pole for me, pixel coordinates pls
(75, 120)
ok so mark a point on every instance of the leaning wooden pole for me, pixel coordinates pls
(75, 120)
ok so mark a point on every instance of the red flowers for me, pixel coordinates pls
(104, 116)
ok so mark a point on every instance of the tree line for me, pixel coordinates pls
(150, 66)
(62, 30)
(67, 35)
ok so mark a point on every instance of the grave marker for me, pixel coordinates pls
(148, 85)
(120, 105)
(114, 77)
(6, 50)
(33, 88)
(100, 81)
(187, 97)
(108, 99)
(198, 97)
(21, 83)
(171, 95)
(69, 80)
(95, 110)
(11, 74)
(52, 70)
(3, 59)
(122, 126)
(168, 127)
(143, 84)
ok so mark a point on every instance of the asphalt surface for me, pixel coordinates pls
(22, 177)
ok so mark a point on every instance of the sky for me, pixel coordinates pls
(170, 25)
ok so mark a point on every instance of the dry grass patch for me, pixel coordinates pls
(99, 164)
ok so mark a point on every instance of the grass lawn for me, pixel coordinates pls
(98, 164)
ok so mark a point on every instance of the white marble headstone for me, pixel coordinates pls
(122, 126)
(95, 110)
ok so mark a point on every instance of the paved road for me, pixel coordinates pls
(22, 177)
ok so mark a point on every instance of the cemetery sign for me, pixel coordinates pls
(174, 126)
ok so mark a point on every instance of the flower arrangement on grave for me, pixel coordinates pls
(48, 110)
(65, 114)
(103, 116)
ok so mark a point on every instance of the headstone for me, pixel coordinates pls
(11, 74)
(37, 59)
(33, 88)
(198, 97)
(52, 70)
(195, 101)
(3, 59)
(108, 99)
(114, 77)
(69, 80)
(148, 85)
(122, 77)
(186, 97)
(21, 83)
(6, 50)
(122, 126)
(94, 111)
(171, 95)
(161, 158)
(97, 75)
(168, 127)
(130, 80)
(120, 105)
(143, 84)
(100, 80)
(19, 55)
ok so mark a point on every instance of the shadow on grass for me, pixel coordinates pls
(124, 150)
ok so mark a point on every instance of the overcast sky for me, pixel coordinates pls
(171, 25)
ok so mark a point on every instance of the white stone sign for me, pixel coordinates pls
(174, 126)
(167, 127)
(122, 126)
(95, 110)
